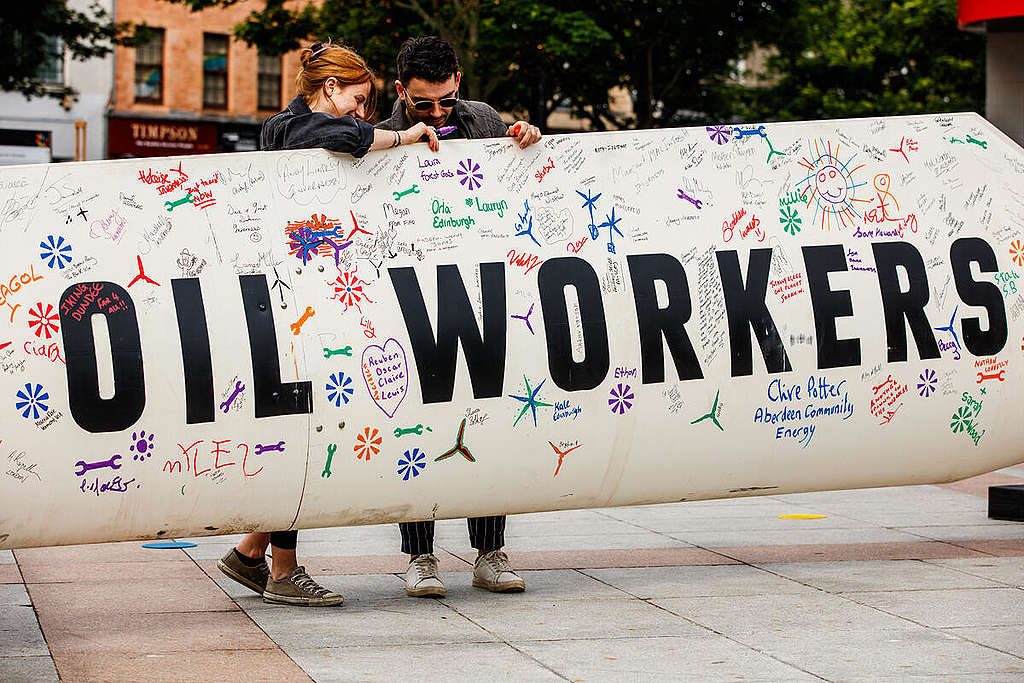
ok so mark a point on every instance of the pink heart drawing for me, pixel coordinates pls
(386, 374)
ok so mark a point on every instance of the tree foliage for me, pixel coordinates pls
(848, 58)
(680, 59)
(24, 33)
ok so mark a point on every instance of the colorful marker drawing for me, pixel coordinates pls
(142, 275)
(471, 178)
(142, 445)
(459, 447)
(339, 388)
(530, 401)
(43, 322)
(55, 253)
(790, 220)
(712, 415)
(348, 288)
(719, 134)
(525, 318)
(32, 400)
(960, 419)
(367, 443)
(410, 464)
(561, 455)
(386, 375)
(927, 384)
(830, 185)
(621, 399)
(612, 223)
(589, 203)
(524, 226)
(1017, 252)
(951, 327)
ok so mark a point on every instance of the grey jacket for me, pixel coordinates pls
(298, 127)
(475, 120)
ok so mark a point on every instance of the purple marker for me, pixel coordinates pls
(441, 132)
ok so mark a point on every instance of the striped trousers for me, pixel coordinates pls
(485, 533)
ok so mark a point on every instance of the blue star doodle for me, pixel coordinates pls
(526, 219)
(411, 464)
(612, 223)
(339, 388)
(949, 328)
(588, 203)
(31, 400)
(55, 253)
(530, 401)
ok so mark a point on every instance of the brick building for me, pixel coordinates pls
(192, 88)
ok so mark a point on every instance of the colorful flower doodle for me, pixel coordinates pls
(1017, 252)
(960, 419)
(31, 400)
(719, 134)
(927, 384)
(621, 399)
(790, 220)
(55, 253)
(142, 444)
(367, 443)
(339, 388)
(411, 464)
(348, 288)
(471, 177)
(43, 322)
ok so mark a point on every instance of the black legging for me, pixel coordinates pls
(285, 540)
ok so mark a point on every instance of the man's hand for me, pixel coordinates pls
(524, 133)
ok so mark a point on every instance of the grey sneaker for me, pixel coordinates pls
(421, 578)
(253, 578)
(299, 588)
(493, 572)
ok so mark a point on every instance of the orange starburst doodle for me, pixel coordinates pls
(1017, 252)
(300, 235)
(830, 185)
(367, 443)
(348, 288)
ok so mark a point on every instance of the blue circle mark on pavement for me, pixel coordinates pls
(168, 545)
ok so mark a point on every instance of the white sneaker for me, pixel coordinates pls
(493, 572)
(421, 578)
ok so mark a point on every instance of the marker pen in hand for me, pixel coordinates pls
(441, 132)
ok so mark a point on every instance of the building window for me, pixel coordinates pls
(149, 68)
(269, 82)
(215, 71)
(51, 69)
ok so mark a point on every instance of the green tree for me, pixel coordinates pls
(848, 58)
(519, 55)
(25, 31)
(678, 56)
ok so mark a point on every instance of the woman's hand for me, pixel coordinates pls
(413, 135)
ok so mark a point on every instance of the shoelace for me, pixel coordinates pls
(426, 567)
(305, 582)
(498, 561)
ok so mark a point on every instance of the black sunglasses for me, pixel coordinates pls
(426, 105)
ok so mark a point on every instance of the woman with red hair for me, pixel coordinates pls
(336, 96)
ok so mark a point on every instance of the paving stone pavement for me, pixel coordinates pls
(909, 583)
